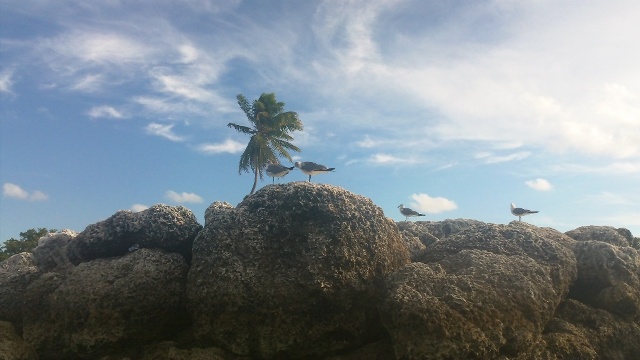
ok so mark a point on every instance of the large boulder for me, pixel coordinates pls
(107, 305)
(16, 273)
(484, 292)
(12, 347)
(171, 228)
(294, 271)
(582, 332)
(608, 278)
(51, 252)
(608, 234)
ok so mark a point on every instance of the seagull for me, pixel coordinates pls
(277, 170)
(520, 212)
(311, 168)
(408, 212)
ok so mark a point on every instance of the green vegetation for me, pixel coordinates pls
(27, 242)
(269, 130)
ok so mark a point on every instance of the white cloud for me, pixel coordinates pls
(6, 81)
(138, 207)
(432, 205)
(164, 131)
(183, 197)
(616, 168)
(105, 112)
(386, 159)
(228, 146)
(539, 184)
(15, 191)
(491, 158)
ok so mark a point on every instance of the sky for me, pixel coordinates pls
(452, 108)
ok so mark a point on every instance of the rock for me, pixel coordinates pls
(608, 234)
(16, 273)
(171, 228)
(294, 271)
(51, 252)
(443, 229)
(12, 347)
(170, 351)
(107, 305)
(51, 235)
(608, 278)
(582, 332)
(485, 292)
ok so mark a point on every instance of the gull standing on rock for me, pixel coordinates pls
(277, 170)
(408, 212)
(311, 168)
(520, 212)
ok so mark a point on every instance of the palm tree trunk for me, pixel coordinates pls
(255, 181)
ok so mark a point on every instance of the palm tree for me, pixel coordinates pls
(269, 130)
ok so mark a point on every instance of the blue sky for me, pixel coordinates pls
(453, 108)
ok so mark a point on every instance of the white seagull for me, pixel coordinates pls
(408, 212)
(520, 212)
(311, 168)
(277, 170)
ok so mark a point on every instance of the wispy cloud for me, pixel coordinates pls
(539, 184)
(6, 80)
(615, 168)
(386, 159)
(15, 191)
(138, 207)
(165, 131)
(491, 158)
(105, 111)
(183, 197)
(227, 146)
(432, 205)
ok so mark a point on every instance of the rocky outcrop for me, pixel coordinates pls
(104, 305)
(484, 292)
(579, 331)
(171, 228)
(607, 234)
(293, 271)
(51, 252)
(16, 273)
(608, 278)
(305, 270)
(12, 347)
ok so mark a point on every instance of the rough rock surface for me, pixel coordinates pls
(12, 347)
(105, 305)
(582, 332)
(608, 234)
(171, 228)
(487, 291)
(293, 271)
(51, 252)
(16, 273)
(608, 278)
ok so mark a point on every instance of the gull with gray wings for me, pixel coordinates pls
(408, 212)
(277, 170)
(311, 168)
(520, 212)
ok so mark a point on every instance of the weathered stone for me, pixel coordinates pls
(12, 347)
(51, 252)
(106, 305)
(171, 228)
(436, 229)
(487, 291)
(16, 273)
(170, 351)
(608, 278)
(608, 234)
(293, 272)
(582, 332)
